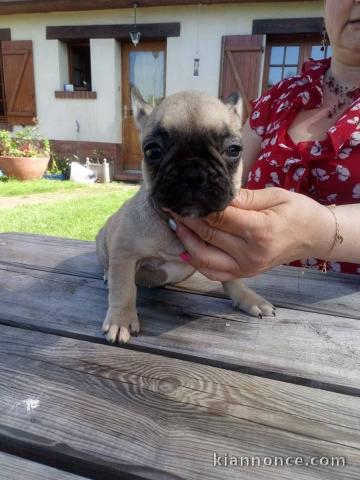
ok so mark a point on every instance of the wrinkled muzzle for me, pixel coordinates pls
(193, 187)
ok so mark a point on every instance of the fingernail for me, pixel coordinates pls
(185, 257)
(172, 224)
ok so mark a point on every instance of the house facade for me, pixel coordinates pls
(69, 64)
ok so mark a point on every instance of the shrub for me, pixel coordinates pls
(59, 165)
(27, 142)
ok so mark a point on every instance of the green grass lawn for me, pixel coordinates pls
(10, 187)
(78, 218)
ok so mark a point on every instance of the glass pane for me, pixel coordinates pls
(275, 75)
(328, 52)
(147, 74)
(277, 55)
(316, 52)
(292, 55)
(81, 66)
(289, 72)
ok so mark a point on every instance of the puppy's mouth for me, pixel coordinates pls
(193, 210)
(195, 189)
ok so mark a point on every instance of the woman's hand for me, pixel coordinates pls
(260, 229)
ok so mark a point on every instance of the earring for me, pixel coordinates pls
(323, 39)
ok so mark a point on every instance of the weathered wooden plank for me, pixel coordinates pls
(50, 253)
(118, 31)
(16, 468)
(308, 348)
(112, 410)
(303, 290)
(312, 291)
(285, 26)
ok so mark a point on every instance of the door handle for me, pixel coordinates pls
(127, 111)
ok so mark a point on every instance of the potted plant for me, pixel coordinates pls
(58, 168)
(25, 154)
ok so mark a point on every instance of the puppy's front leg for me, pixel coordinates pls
(246, 299)
(121, 318)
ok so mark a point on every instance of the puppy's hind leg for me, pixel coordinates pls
(246, 299)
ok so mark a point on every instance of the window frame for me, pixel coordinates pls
(70, 45)
(304, 40)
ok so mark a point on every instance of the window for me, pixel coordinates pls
(80, 65)
(284, 61)
(286, 55)
(317, 54)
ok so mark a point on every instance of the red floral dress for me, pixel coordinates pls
(328, 170)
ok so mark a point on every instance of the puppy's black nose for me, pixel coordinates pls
(194, 176)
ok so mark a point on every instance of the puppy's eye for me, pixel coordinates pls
(234, 150)
(153, 152)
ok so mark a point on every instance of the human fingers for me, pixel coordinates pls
(226, 241)
(234, 221)
(244, 215)
(260, 199)
(201, 255)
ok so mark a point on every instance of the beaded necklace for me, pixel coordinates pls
(346, 94)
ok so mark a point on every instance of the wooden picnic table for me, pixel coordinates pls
(201, 379)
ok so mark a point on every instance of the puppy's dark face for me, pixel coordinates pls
(192, 149)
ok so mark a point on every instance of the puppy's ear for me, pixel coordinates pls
(140, 108)
(235, 103)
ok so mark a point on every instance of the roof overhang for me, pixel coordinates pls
(8, 7)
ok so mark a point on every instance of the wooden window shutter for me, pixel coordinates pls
(240, 67)
(19, 81)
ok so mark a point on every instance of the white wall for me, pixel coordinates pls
(100, 119)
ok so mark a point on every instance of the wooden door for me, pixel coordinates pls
(144, 67)
(240, 67)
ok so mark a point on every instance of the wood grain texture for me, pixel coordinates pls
(16, 468)
(240, 67)
(110, 410)
(79, 94)
(18, 71)
(288, 25)
(121, 32)
(310, 348)
(313, 291)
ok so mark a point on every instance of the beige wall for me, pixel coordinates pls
(100, 119)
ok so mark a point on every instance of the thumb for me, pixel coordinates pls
(259, 199)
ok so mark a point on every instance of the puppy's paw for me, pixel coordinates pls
(119, 325)
(253, 304)
(247, 300)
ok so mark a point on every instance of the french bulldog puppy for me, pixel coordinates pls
(191, 165)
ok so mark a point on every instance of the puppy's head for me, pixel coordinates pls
(192, 149)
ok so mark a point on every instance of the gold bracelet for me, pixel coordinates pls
(338, 238)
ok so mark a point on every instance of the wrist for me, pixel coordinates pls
(325, 231)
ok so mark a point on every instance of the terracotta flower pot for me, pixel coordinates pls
(24, 168)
